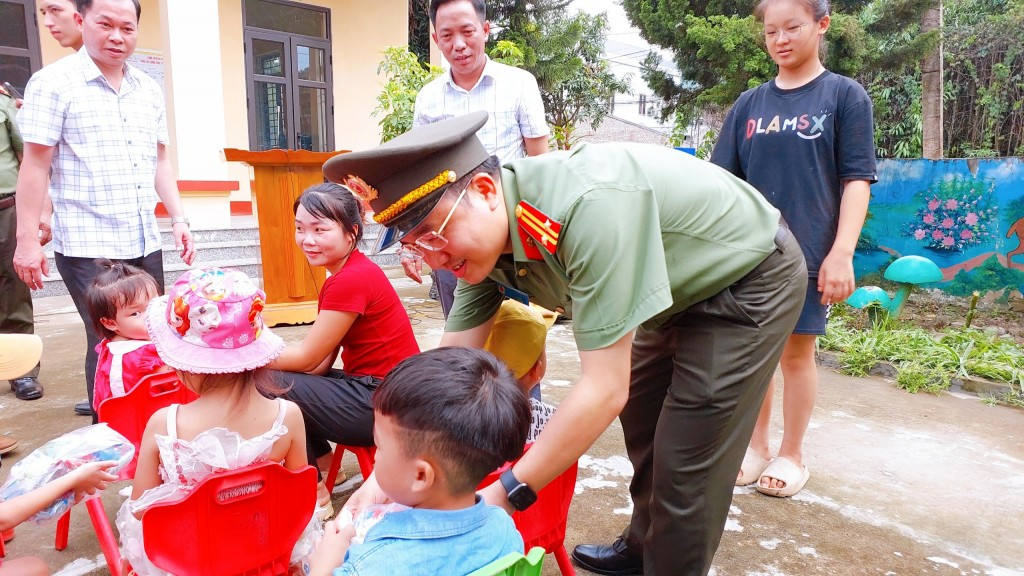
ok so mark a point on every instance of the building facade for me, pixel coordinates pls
(247, 74)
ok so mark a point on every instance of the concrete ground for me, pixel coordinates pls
(900, 484)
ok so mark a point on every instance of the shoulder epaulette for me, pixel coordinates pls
(536, 228)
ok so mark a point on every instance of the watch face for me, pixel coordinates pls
(522, 497)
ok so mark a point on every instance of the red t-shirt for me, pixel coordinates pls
(121, 365)
(381, 335)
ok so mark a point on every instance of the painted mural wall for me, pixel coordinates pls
(967, 216)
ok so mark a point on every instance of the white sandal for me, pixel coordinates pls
(752, 468)
(785, 470)
(325, 511)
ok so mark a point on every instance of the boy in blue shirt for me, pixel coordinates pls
(443, 420)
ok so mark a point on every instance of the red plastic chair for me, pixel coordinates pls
(128, 415)
(543, 524)
(243, 521)
(364, 454)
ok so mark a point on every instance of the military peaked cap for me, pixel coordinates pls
(404, 178)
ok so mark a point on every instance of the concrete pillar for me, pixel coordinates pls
(195, 105)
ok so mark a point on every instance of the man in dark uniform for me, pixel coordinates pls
(683, 285)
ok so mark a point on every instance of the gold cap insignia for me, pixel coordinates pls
(360, 188)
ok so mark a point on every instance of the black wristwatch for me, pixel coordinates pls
(520, 496)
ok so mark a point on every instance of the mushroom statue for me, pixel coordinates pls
(874, 299)
(908, 271)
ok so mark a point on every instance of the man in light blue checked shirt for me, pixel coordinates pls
(96, 127)
(515, 126)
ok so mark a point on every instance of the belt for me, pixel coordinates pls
(6, 201)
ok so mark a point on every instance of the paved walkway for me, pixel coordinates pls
(900, 484)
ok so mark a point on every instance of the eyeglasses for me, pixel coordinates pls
(432, 241)
(792, 32)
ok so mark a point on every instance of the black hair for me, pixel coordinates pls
(117, 285)
(460, 407)
(479, 6)
(490, 166)
(330, 201)
(819, 8)
(83, 6)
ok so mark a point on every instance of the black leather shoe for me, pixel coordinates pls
(27, 388)
(83, 409)
(614, 560)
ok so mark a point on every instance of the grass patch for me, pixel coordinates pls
(914, 377)
(925, 360)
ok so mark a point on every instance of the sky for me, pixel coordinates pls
(624, 45)
(625, 50)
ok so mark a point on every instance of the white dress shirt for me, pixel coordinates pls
(508, 94)
(102, 179)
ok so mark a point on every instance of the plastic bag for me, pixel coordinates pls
(367, 519)
(304, 547)
(96, 443)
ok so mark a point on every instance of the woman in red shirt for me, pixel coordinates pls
(359, 316)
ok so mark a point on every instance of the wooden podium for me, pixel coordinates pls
(280, 176)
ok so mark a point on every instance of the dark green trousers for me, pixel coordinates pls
(15, 297)
(696, 388)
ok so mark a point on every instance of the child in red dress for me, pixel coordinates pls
(117, 304)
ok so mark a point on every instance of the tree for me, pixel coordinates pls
(419, 29)
(576, 83)
(984, 79)
(518, 16)
(931, 82)
(406, 75)
(508, 53)
(564, 53)
(729, 48)
(666, 24)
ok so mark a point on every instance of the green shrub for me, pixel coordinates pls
(925, 360)
(914, 377)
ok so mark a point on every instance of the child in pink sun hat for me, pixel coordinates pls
(209, 329)
(205, 314)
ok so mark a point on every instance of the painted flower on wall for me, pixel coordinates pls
(955, 213)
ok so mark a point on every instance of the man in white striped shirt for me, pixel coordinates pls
(97, 128)
(515, 126)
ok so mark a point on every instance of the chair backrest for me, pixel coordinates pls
(364, 454)
(543, 524)
(243, 521)
(514, 564)
(130, 413)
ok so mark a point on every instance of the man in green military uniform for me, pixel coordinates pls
(683, 287)
(16, 313)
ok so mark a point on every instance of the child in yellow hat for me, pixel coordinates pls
(519, 338)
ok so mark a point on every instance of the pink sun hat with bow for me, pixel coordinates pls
(211, 322)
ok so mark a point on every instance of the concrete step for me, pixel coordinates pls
(227, 248)
(237, 248)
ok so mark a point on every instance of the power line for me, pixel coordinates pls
(675, 75)
(641, 51)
